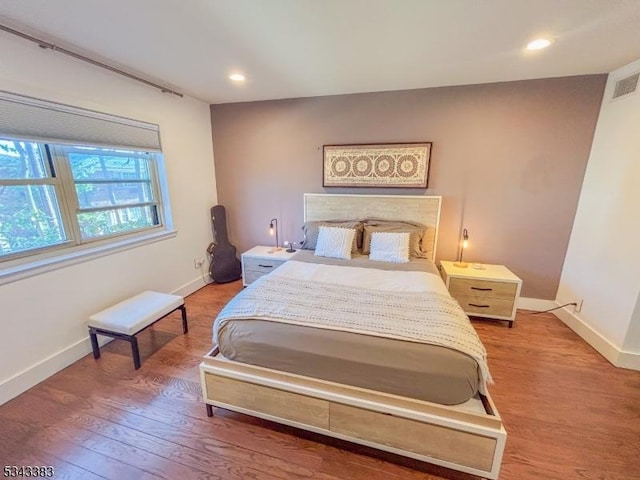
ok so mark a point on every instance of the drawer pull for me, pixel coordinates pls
(482, 289)
(265, 266)
(479, 306)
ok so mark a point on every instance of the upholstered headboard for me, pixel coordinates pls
(408, 208)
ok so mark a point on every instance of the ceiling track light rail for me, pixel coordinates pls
(50, 46)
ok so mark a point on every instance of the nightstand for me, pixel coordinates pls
(261, 260)
(490, 292)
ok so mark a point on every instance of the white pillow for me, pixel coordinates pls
(389, 247)
(335, 242)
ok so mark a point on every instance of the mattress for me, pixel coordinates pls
(415, 370)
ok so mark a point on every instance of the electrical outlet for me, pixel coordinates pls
(198, 262)
(578, 306)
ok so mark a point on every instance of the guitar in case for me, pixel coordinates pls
(225, 267)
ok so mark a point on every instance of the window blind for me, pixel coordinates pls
(40, 120)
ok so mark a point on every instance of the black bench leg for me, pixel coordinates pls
(185, 327)
(94, 344)
(209, 410)
(134, 350)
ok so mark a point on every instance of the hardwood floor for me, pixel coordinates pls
(569, 414)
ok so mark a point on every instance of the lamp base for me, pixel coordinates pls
(290, 250)
(460, 264)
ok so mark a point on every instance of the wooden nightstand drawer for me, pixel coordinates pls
(261, 260)
(262, 265)
(490, 291)
(473, 304)
(482, 288)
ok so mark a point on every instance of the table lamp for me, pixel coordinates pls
(274, 226)
(465, 244)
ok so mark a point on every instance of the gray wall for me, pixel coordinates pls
(508, 159)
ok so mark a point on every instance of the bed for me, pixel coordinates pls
(371, 383)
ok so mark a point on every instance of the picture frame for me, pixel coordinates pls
(387, 165)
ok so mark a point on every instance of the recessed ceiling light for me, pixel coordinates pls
(538, 44)
(237, 77)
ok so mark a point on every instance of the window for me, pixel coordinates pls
(30, 216)
(54, 196)
(114, 191)
(75, 184)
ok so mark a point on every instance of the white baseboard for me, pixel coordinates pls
(190, 287)
(24, 380)
(630, 360)
(536, 304)
(610, 351)
(31, 376)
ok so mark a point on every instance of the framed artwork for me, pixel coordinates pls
(397, 165)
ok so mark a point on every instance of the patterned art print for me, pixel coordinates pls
(404, 165)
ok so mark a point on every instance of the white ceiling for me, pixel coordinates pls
(301, 48)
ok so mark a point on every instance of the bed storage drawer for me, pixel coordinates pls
(469, 440)
(424, 439)
(269, 401)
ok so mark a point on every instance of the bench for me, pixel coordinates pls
(129, 317)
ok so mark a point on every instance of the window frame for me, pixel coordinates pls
(60, 157)
(58, 167)
(52, 180)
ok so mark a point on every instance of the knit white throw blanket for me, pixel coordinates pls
(423, 317)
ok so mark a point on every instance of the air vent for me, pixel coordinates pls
(626, 86)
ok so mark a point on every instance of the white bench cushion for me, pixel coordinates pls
(136, 313)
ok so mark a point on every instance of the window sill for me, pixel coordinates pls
(39, 266)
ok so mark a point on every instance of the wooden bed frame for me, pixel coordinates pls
(450, 436)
